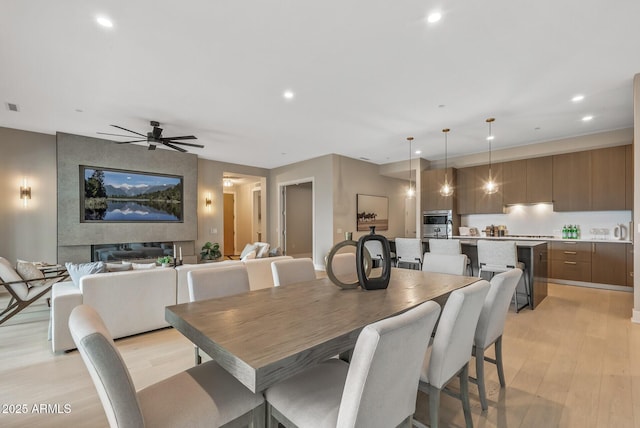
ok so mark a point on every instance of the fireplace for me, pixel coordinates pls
(131, 251)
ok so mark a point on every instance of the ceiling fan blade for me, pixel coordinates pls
(115, 135)
(184, 137)
(183, 144)
(127, 142)
(180, 149)
(128, 130)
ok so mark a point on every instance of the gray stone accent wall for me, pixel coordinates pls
(74, 237)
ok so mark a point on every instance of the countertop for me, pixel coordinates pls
(521, 239)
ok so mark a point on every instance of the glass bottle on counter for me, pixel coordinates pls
(577, 232)
(564, 231)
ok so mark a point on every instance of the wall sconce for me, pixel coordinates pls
(207, 201)
(25, 192)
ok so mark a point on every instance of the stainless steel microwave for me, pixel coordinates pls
(437, 224)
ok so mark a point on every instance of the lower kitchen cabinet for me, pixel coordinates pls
(597, 262)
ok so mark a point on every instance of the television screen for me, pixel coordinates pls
(112, 195)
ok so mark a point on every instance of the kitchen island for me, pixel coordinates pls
(535, 256)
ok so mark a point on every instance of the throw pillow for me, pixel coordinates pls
(262, 249)
(142, 266)
(275, 252)
(250, 255)
(28, 271)
(247, 249)
(78, 270)
(118, 267)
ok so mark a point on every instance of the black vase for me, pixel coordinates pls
(382, 281)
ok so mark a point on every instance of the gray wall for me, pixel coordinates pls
(75, 238)
(27, 233)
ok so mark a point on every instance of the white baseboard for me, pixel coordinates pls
(635, 316)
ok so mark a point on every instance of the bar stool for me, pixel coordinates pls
(501, 256)
(449, 246)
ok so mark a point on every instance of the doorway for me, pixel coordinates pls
(297, 219)
(229, 224)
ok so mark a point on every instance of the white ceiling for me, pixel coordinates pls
(366, 73)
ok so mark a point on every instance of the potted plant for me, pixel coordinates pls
(165, 261)
(210, 251)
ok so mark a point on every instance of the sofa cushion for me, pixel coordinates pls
(262, 249)
(78, 270)
(142, 266)
(8, 274)
(250, 255)
(118, 267)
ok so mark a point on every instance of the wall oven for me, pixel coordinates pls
(437, 224)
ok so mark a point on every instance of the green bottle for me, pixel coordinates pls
(564, 232)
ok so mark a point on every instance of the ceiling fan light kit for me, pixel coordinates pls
(154, 137)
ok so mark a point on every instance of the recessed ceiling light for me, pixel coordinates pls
(104, 21)
(490, 138)
(577, 98)
(434, 17)
(288, 95)
(587, 118)
(418, 152)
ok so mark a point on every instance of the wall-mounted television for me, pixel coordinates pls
(114, 195)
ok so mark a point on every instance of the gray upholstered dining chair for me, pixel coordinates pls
(450, 353)
(501, 256)
(448, 246)
(375, 251)
(491, 325)
(293, 270)
(409, 251)
(454, 264)
(216, 282)
(203, 396)
(377, 389)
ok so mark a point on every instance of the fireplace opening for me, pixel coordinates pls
(130, 251)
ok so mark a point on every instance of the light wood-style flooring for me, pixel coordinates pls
(573, 362)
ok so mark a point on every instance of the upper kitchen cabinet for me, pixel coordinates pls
(593, 180)
(628, 199)
(539, 180)
(608, 191)
(488, 204)
(527, 181)
(572, 182)
(432, 181)
(465, 190)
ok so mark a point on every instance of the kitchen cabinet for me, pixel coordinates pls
(608, 171)
(527, 181)
(432, 181)
(539, 177)
(572, 182)
(571, 260)
(628, 168)
(629, 249)
(465, 190)
(609, 263)
(488, 204)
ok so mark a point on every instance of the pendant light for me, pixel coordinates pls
(490, 186)
(410, 191)
(446, 189)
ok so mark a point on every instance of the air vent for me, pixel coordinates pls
(13, 107)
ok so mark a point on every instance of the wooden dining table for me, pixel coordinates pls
(264, 336)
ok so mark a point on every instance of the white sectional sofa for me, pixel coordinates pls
(133, 301)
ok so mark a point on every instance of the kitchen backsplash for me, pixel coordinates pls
(540, 219)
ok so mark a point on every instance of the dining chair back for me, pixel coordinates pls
(378, 388)
(202, 396)
(292, 271)
(375, 251)
(450, 352)
(501, 256)
(409, 251)
(491, 325)
(213, 283)
(454, 264)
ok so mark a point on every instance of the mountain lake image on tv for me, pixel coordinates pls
(111, 195)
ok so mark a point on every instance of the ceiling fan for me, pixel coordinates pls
(154, 137)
